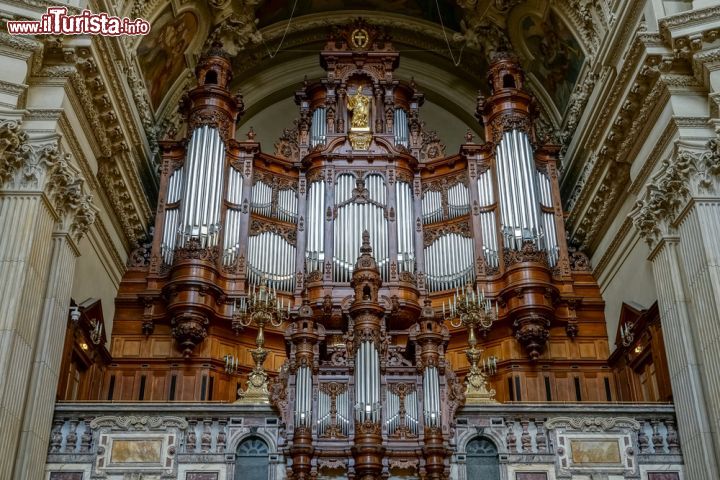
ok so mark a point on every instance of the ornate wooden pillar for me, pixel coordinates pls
(368, 346)
(304, 335)
(431, 336)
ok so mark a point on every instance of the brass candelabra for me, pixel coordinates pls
(260, 308)
(471, 309)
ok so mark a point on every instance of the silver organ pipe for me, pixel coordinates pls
(486, 195)
(354, 218)
(449, 262)
(318, 128)
(548, 219)
(261, 198)
(400, 124)
(202, 188)
(431, 397)
(170, 226)
(458, 200)
(303, 397)
(272, 258)
(233, 214)
(410, 418)
(432, 207)
(367, 387)
(324, 413)
(287, 206)
(519, 198)
(315, 243)
(405, 230)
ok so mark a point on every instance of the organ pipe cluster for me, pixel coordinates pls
(367, 383)
(303, 396)
(202, 188)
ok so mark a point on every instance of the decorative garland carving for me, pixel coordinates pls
(445, 182)
(287, 146)
(579, 261)
(275, 181)
(431, 146)
(461, 228)
(289, 233)
(216, 118)
(140, 256)
(528, 253)
(507, 122)
(333, 390)
(193, 251)
(277, 390)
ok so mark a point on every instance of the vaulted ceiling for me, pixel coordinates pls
(444, 45)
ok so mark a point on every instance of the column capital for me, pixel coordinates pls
(689, 172)
(40, 166)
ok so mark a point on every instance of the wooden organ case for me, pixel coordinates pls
(362, 223)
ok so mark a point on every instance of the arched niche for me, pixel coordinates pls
(481, 459)
(251, 459)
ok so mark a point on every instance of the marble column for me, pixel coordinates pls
(679, 216)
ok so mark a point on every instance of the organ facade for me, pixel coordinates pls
(360, 281)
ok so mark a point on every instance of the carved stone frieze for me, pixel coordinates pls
(111, 178)
(138, 422)
(592, 424)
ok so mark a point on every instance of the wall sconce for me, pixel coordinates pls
(75, 314)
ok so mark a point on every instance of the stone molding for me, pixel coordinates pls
(684, 174)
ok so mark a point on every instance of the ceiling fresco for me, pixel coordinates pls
(252, 30)
(272, 11)
(557, 57)
(161, 54)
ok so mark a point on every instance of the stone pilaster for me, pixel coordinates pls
(679, 216)
(43, 207)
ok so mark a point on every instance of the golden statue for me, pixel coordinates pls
(359, 104)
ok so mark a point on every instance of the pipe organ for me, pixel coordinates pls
(361, 222)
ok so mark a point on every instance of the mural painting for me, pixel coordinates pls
(556, 55)
(161, 53)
